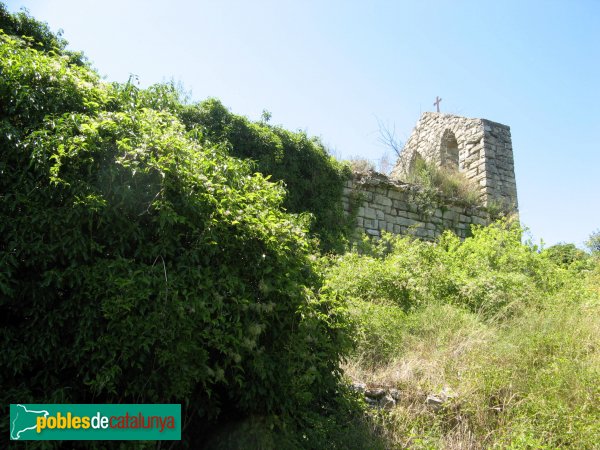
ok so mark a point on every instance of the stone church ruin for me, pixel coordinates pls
(478, 148)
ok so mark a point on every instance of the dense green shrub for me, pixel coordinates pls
(140, 265)
(486, 273)
(567, 255)
(312, 177)
(22, 25)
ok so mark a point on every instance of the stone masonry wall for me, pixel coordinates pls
(400, 208)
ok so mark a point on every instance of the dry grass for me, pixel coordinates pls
(526, 384)
(450, 183)
(508, 340)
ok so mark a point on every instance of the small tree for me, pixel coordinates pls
(566, 254)
(593, 243)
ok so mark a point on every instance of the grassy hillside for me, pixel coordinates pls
(506, 336)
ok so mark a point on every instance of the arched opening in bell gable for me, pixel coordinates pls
(449, 150)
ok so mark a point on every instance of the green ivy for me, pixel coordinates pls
(313, 179)
(142, 263)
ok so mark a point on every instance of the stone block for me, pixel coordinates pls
(401, 213)
(421, 232)
(370, 223)
(383, 200)
(450, 215)
(396, 195)
(392, 218)
(436, 221)
(369, 213)
(407, 222)
(399, 204)
(413, 207)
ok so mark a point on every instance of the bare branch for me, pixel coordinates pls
(387, 136)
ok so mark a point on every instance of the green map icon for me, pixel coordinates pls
(24, 420)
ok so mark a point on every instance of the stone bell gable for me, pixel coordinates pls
(479, 148)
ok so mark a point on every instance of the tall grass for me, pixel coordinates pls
(448, 182)
(508, 338)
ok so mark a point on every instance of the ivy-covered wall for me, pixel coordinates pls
(381, 204)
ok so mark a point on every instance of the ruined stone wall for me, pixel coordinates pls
(479, 148)
(382, 204)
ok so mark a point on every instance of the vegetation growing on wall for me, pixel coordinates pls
(450, 183)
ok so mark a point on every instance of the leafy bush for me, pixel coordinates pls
(567, 255)
(313, 178)
(487, 273)
(379, 332)
(394, 278)
(37, 33)
(141, 265)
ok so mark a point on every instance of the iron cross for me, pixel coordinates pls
(437, 103)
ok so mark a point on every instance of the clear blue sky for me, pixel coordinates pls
(333, 67)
